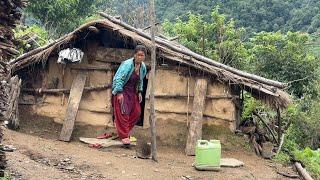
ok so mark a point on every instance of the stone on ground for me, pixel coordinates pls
(230, 162)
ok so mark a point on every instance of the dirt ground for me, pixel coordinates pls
(39, 155)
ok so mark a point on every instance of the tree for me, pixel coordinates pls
(62, 16)
(285, 57)
(254, 15)
(217, 39)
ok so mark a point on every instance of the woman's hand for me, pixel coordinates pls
(120, 98)
(140, 97)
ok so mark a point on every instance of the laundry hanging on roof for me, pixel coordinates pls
(69, 56)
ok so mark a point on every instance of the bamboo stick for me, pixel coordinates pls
(93, 67)
(191, 96)
(281, 143)
(185, 113)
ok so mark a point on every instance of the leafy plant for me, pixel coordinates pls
(30, 37)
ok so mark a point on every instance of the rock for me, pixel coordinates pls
(187, 177)
(267, 150)
(8, 148)
(123, 171)
(69, 168)
(230, 162)
(156, 170)
(108, 163)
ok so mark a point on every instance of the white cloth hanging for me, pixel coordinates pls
(68, 56)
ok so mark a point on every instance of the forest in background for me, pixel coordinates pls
(271, 38)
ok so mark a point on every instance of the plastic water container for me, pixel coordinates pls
(208, 155)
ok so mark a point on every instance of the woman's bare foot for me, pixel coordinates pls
(126, 141)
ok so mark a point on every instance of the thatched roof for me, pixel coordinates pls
(264, 89)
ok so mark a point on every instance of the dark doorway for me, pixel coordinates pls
(142, 104)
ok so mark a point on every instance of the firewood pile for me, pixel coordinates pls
(11, 112)
(256, 134)
(4, 76)
(9, 16)
(265, 142)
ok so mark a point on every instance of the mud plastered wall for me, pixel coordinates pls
(174, 111)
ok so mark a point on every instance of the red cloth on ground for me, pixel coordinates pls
(127, 114)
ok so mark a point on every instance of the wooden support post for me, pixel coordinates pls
(73, 105)
(195, 128)
(153, 69)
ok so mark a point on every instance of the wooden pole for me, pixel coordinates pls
(195, 128)
(279, 125)
(304, 173)
(67, 91)
(153, 67)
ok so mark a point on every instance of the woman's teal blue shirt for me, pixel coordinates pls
(123, 74)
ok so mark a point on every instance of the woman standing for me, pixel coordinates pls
(127, 87)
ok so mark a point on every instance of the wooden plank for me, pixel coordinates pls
(230, 162)
(195, 128)
(112, 55)
(89, 67)
(67, 91)
(185, 113)
(181, 96)
(103, 142)
(73, 105)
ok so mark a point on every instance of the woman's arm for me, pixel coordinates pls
(119, 79)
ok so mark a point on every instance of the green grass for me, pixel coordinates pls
(282, 158)
(311, 159)
(6, 176)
